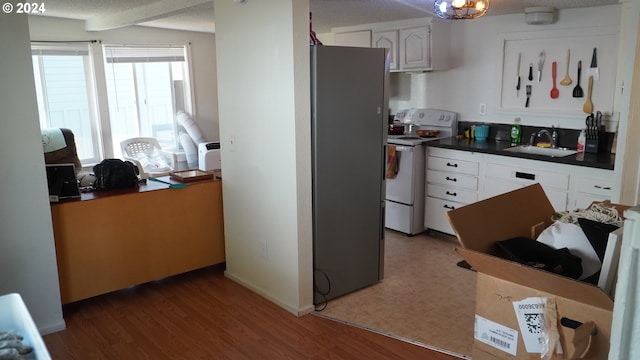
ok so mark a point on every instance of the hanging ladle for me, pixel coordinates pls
(567, 80)
(577, 91)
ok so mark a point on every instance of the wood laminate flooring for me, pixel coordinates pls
(203, 315)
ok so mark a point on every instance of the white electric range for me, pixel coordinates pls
(404, 205)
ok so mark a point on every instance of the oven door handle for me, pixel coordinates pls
(403, 148)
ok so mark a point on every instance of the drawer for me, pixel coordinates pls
(452, 193)
(557, 198)
(594, 186)
(452, 179)
(582, 200)
(528, 176)
(435, 214)
(452, 165)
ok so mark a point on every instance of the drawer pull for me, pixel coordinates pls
(452, 165)
(449, 207)
(451, 179)
(602, 187)
(450, 193)
(523, 175)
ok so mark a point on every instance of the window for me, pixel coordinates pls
(65, 93)
(145, 89)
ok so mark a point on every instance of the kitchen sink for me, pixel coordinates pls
(552, 152)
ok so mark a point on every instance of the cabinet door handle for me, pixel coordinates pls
(450, 193)
(451, 179)
(524, 175)
(449, 207)
(452, 165)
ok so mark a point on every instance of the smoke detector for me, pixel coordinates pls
(540, 15)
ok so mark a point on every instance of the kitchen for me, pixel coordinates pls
(461, 89)
(490, 62)
(500, 108)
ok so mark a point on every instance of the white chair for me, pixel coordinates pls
(147, 154)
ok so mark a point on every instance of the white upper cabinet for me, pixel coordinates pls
(414, 48)
(414, 45)
(388, 39)
(353, 38)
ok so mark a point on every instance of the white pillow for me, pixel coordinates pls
(192, 128)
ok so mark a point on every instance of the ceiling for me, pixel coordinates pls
(197, 15)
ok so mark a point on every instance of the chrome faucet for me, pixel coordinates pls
(553, 137)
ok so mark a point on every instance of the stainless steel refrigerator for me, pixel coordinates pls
(349, 114)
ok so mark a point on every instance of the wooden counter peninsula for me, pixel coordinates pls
(111, 240)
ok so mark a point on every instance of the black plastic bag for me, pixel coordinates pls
(115, 174)
(542, 256)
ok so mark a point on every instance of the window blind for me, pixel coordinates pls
(131, 54)
(60, 49)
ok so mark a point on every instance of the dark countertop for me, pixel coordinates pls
(600, 160)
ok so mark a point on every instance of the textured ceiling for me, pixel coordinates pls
(197, 15)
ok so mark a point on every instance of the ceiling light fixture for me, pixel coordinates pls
(460, 9)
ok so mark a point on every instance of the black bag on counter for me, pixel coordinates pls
(115, 174)
(542, 256)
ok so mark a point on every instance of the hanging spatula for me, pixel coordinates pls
(593, 69)
(577, 91)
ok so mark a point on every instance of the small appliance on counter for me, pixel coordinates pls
(209, 156)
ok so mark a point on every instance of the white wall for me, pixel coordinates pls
(202, 51)
(27, 253)
(263, 87)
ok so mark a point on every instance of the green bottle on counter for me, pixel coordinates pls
(516, 132)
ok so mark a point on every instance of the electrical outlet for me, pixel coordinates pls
(483, 109)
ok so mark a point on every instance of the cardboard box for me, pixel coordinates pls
(510, 297)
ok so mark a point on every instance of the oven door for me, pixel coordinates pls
(401, 189)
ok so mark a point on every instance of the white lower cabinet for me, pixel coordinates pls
(452, 182)
(501, 178)
(587, 190)
(455, 178)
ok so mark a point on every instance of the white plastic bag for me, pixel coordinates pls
(561, 235)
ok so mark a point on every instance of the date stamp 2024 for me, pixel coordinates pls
(24, 8)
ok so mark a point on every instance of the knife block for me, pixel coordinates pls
(592, 146)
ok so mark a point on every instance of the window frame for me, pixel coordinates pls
(95, 73)
(84, 49)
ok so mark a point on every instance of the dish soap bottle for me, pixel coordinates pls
(516, 132)
(581, 139)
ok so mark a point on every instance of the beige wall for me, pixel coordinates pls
(27, 253)
(263, 86)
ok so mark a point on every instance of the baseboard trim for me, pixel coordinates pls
(293, 310)
(52, 328)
